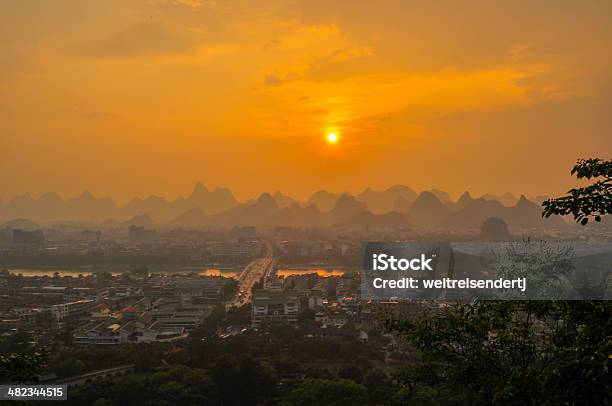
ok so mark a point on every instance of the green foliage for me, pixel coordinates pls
(381, 389)
(351, 372)
(22, 367)
(340, 392)
(146, 357)
(102, 402)
(177, 385)
(520, 352)
(512, 353)
(545, 266)
(68, 366)
(17, 342)
(278, 343)
(593, 201)
(211, 323)
(239, 316)
(306, 318)
(263, 373)
(243, 381)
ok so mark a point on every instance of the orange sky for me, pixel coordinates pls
(124, 97)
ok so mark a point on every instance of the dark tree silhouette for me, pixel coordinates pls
(338, 392)
(497, 352)
(494, 229)
(592, 201)
(22, 367)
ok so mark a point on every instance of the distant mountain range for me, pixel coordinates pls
(86, 207)
(397, 206)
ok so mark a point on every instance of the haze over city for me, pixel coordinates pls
(305, 202)
(132, 98)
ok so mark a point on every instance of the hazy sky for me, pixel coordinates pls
(125, 97)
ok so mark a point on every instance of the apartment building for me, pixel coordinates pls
(273, 305)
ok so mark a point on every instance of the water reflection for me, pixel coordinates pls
(227, 273)
(52, 273)
(220, 272)
(319, 271)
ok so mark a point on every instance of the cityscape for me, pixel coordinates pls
(81, 287)
(305, 202)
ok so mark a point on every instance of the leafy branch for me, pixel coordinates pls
(591, 201)
(22, 367)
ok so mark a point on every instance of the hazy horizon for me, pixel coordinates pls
(187, 193)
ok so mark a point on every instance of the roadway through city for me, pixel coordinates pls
(252, 273)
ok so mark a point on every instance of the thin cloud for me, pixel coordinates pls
(143, 39)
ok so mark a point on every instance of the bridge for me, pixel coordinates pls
(94, 376)
(253, 272)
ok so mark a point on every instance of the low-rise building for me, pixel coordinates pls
(123, 331)
(64, 311)
(271, 305)
(179, 313)
(103, 333)
(100, 311)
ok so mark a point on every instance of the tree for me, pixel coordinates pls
(102, 402)
(240, 316)
(22, 368)
(339, 392)
(17, 342)
(306, 318)
(68, 367)
(512, 352)
(494, 229)
(225, 374)
(141, 272)
(351, 372)
(184, 385)
(380, 387)
(544, 265)
(519, 352)
(593, 201)
(255, 381)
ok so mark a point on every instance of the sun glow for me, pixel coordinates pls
(332, 138)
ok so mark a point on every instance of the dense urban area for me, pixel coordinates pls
(135, 312)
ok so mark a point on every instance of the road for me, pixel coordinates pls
(251, 274)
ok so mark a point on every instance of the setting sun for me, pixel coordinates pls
(332, 138)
